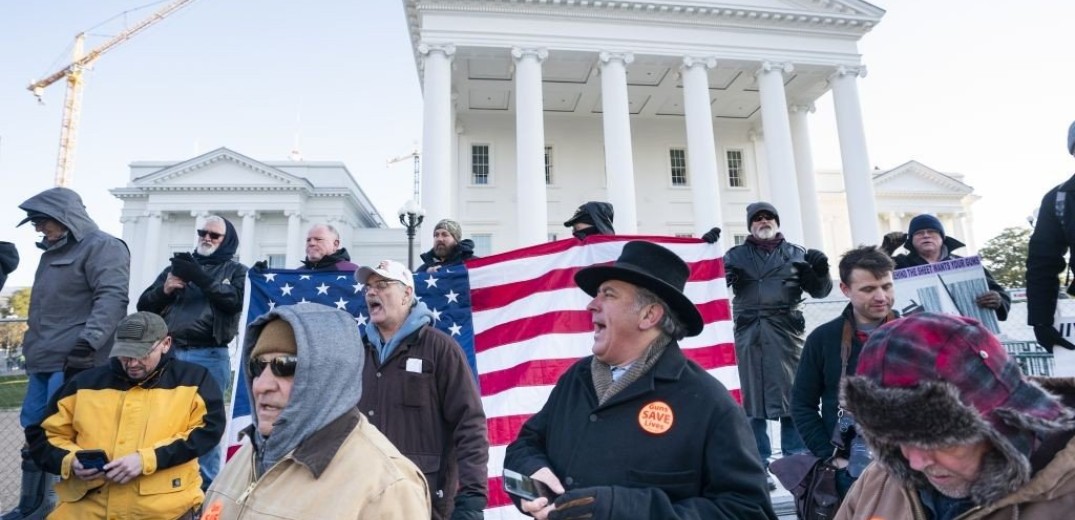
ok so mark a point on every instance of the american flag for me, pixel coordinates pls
(522, 322)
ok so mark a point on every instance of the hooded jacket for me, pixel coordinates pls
(170, 418)
(912, 258)
(463, 250)
(9, 261)
(323, 459)
(597, 214)
(80, 288)
(1054, 234)
(201, 316)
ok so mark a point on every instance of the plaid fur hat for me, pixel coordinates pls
(933, 380)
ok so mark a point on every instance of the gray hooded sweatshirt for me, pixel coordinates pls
(328, 377)
(80, 289)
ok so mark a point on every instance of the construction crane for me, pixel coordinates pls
(417, 156)
(72, 103)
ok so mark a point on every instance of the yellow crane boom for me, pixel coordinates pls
(73, 72)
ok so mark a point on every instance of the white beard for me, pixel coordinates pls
(205, 250)
(767, 233)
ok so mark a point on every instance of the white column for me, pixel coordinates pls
(436, 134)
(894, 222)
(781, 154)
(761, 167)
(531, 206)
(152, 262)
(858, 182)
(619, 161)
(804, 169)
(701, 145)
(130, 237)
(246, 236)
(295, 254)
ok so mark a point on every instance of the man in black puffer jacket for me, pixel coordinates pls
(200, 296)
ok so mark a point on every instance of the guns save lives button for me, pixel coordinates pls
(656, 417)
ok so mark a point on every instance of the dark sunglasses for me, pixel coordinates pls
(212, 235)
(283, 366)
(762, 216)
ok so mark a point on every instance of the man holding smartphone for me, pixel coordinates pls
(147, 416)
(638, 430)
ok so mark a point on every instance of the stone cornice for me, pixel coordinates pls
(169, 174)
(923, 171)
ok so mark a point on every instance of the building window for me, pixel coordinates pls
(684, 235)
(678, 161)
(483, 244)
(277, 261)
(735, 169)
(740, 239)
(479, 164)
(552, 237)
(548, 165)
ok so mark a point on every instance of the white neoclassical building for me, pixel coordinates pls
(272, 204)
(679, 113)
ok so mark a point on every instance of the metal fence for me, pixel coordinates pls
(1016, 335)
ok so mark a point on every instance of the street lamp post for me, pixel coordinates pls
(411, 216)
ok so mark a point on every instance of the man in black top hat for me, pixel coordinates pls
(637, 430)
(592, 218)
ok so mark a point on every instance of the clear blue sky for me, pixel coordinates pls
(960, 87)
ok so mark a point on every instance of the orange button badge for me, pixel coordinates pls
(656, 417)
(213, 512)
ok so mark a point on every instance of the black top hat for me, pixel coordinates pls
(653, 267)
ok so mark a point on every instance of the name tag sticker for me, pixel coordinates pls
(414, 365)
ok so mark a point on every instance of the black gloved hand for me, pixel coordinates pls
(819, 263)
(712, 235)
(808, 278)
(80, 358)
(1048, 337)
(892, 241)
(186, 267)
(260, 265)
(469, 507)
(582, 503)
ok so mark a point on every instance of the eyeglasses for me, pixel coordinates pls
(381, 285)
(762, 216)
(212, 235)
(283, 366)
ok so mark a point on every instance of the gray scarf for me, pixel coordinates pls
(602, 372)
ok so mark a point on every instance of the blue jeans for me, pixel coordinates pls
(218, 362)
(790, 441)
(40, 388)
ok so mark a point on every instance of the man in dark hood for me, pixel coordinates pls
(955, 428)
(592, 218)
(449, 247)
(200, 296)
(9, 260)
(78, 297)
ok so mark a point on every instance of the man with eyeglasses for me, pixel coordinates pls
(200, 296)
(421, 393)
(152, 415)
(79, 294)
(311, 454)
(768, 276)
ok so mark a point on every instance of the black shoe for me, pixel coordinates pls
(770, 481)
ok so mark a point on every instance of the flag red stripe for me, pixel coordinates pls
(560, 246)
(497, 496)
(539, 372)
(561, 322)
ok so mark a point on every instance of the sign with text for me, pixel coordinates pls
(949, 287)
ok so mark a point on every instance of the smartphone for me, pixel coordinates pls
(525, 487)
(92, 459)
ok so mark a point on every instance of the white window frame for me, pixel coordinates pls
(742, 177)
(672, 168)
(489, 166)
(550, 165)
(483, 243)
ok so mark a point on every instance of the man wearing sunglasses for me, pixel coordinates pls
(79, 294)
(200, 296)
(769, 276)
(151, 414)
(420, 392)
(311, 453)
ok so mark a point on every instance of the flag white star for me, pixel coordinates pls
(455, 328)
(361, 319)
(452, 296)
(436, 315)
(270, 277)
(358, 287)
(342, 277)
(341, 304)
(272, 305)
(303, 300)
(286, 289)
(431, 282)
(322, 289)
(304, 277)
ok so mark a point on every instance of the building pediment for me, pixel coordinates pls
(914, 177)
(219, 169)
